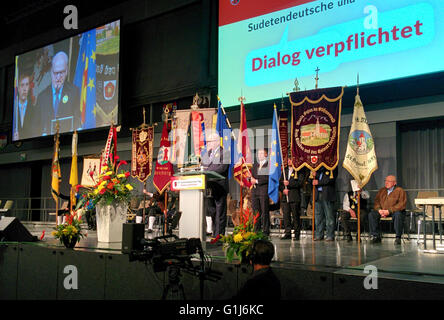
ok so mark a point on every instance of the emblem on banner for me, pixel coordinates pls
(361, 142)
(314, 159)
(109, 89)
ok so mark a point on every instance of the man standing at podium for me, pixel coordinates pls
(212, 160)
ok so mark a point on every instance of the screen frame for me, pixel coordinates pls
(119, 97)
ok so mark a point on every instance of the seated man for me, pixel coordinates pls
(390, 201)
(350, 207)
(263, 284)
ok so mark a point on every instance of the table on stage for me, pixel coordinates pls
(434, 202)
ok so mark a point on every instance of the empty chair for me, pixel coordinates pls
(420, 209)
(8, 204)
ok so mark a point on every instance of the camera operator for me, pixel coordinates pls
(263, 283)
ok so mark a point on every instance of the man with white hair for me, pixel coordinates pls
(390, 201)
(217, 203)
(60, 100)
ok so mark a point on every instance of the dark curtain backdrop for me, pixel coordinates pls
(422, 157)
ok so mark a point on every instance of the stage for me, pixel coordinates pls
(306, 269)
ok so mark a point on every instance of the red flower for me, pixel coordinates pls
(123, 162)
(110, 185)
(215, 239)
(43, 235)
(102, 191)
(78, 187)
(106, 178)
(127, 174)
(116, 158)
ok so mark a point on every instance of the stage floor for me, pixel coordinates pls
(403, 262)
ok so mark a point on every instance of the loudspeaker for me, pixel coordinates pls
(132, 235)
(11, 229)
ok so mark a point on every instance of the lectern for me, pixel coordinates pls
(192, 193)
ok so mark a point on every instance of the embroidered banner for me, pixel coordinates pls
(360, 157)
(315, 125)
(142, 153)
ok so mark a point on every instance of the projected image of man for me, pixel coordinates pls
(59, 102)
(23, 125)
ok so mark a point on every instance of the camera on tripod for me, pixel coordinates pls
(167, 250)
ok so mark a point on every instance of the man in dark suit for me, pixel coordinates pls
(217, 201)
(24, 121)
(259, 193)
(291, 200)
(325, 197)
(59, 101)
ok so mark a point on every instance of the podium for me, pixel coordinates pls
(192, 194)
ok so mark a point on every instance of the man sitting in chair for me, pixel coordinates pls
(350, 207)
(390, 201)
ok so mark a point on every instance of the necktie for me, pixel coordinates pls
(57, 101)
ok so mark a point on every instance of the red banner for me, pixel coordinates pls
(142, 153)
(283, 134)
(315, 125)
(164, 168)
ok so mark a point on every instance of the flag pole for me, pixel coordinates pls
(313, 210)
(359, 215)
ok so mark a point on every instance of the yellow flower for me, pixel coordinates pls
(238, 238)
(96, 191)
(74, 229)
(122, 175)
(104, 168)
(53, 233)
(247, 234)
(102, 183)
(129, 187)
(108, 173)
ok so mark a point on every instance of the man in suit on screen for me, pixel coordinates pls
(61, 100)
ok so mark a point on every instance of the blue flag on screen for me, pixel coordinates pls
(226, 141)
(85, 78)
(275, 161)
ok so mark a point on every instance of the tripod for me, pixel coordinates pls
(174, 286)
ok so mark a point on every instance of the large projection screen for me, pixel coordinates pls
(264, 46)
(72, 84)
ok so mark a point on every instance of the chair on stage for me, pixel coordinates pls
(61, 212)
(307, 218)
(419, 212)
(8, 206)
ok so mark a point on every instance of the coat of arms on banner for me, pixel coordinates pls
(142, 153)
(109, 89)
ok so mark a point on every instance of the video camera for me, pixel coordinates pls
(167, 250)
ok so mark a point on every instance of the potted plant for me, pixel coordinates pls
(70, 232)
(240, 242)
(110, 198)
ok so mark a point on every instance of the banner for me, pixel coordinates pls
(164, 168)
(182, 123)
(198, 140)
(74, 176)
(283, 133)
(315, 125)
(242, 156)
(56, 175)
(110, 147)
(142, 153)
(90, 173)
(275, 161)
(360, 157)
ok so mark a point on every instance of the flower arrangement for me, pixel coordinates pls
(111, 186)
(70, 232)
(240, 242)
